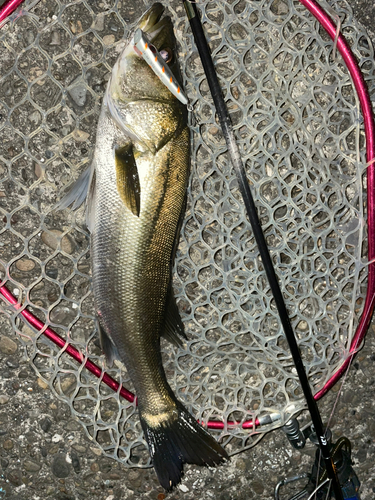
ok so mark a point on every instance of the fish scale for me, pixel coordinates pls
(140, 240)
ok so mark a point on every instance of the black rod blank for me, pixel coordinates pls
(209, 69)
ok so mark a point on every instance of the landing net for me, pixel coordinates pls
(300, 132)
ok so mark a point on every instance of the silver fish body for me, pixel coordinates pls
(131, 254)
(135, 199)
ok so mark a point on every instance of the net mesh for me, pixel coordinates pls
(300, 133)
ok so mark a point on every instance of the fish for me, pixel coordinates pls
(135, 193)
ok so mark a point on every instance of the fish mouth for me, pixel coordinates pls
(160, 33)
(151, 17)
(152, 22)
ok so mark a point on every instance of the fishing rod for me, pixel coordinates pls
(235, 156)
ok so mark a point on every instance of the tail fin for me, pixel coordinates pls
(171, 444)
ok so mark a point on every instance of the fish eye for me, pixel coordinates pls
(167, 55)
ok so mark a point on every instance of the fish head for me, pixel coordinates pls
(132, 78)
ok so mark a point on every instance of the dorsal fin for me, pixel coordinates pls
(83, 190)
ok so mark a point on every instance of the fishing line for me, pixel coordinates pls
(355, 347)
(334, 49)
(368, 116)
(337, 18)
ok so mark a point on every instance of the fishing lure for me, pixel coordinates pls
(157, 63)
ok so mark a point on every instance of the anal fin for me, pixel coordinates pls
(108, 347)
(173, 329)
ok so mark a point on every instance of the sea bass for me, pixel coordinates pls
(135, 196)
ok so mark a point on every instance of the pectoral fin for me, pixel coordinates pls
(127, 178)
(173, 327)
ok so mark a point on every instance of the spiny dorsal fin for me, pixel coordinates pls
(82, 190)
(77, 193)
(127, 178)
